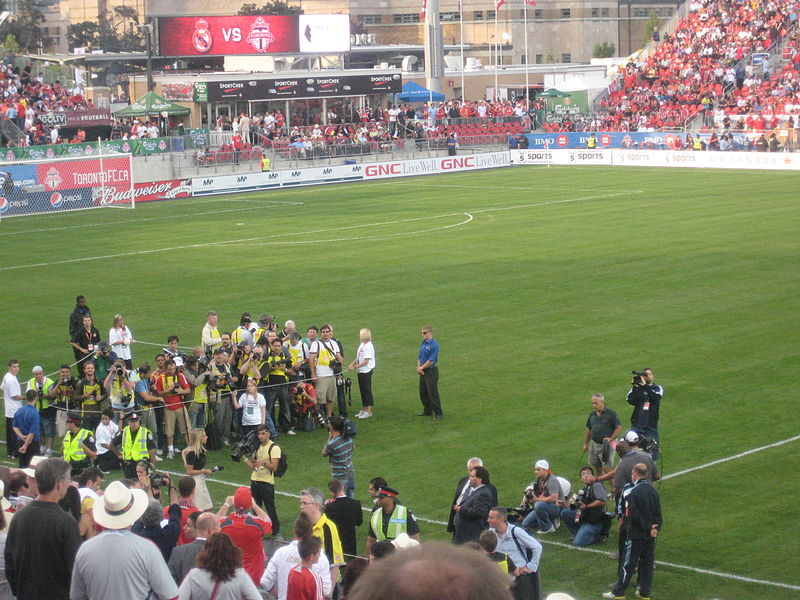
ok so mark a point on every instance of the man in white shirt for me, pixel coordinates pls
(322, 353)
(276, 577)
(12, 394)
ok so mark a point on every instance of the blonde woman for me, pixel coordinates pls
(121, 338)
(364, 364)
(194, 462)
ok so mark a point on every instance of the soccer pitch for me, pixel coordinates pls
(543, 285)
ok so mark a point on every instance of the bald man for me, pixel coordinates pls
(183, 557)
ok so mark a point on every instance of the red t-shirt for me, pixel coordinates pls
(164, 382)
(303, 584)
(187, 508)
(246, 532)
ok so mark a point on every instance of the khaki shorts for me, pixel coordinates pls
(596, 455)
(326, 389)
(175, 416)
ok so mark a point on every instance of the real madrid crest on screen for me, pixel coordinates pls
(201, 38)
(260, 37)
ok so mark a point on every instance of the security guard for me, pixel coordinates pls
(591, 142)
(390, 519)
(697, 143)
(79, 445)
(265, 163)
(137, 444)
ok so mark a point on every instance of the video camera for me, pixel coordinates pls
(638, 376)
(247, 445)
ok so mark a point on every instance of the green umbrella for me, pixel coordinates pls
(553, 93)
(152, 105)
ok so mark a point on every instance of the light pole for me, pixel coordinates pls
(148, 33)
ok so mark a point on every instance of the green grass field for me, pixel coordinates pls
(543, 286)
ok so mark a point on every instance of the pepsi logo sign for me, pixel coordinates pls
(56, 200)
(3, 205)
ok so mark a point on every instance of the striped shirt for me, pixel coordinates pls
(340, 454)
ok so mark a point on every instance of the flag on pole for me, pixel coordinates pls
(423, 10)
(498, 4)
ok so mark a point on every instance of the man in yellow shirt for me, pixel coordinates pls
(262, 480)
(312, 504)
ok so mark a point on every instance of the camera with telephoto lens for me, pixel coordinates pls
(247, 445)
(157, 479)
(320, 418)
(204, 361)
(217, 468)
(637, 377)
(647, 444)
(335, 365)
(119, 371)
(286, 363)
(576, 499)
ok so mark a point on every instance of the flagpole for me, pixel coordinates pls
(525, 24)
(461, 38)
(496, 53)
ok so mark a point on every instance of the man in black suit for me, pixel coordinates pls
(463, 487)
(183, 557)
(474, 507)
(346, 513)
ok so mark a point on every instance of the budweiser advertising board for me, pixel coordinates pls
(214, 36)
(144, 192)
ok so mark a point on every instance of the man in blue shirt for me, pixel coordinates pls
(27, 425)
(523, 550)
(428, 369)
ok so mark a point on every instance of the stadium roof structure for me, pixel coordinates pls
(90, 58)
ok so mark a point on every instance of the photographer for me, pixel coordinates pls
(279, 368)
(61, 394)
(43, 386)
(173, 388)
(104, 360)
(197, 372)
(339, 450)
(299, 353)
(91, 395)
(221, 385)
(244, 333)
(119, 385)
(585, 515)
(79, 447)
(151, 481)
(645, 397)
(325, 358)
(305, 407)
(602, 427)
(148, 403)
(137, 444)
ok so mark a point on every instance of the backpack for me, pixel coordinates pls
(283, 462)
(348, 428)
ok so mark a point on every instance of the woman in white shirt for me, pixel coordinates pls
(121, 338)
(364, 364)
(254, 409)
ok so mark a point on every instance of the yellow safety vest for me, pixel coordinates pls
(398, 523)
(73, 452)
(696, 144)
(275, 370)
(591, 142)
(265, 164)
(135, 448)
(46, 385)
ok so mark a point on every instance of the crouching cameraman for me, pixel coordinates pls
(586, 514)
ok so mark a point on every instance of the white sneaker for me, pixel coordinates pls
(158, 459)
(159, 452)
(557, 523)
(367, 415)
(291, 432)
(360, 414)
(170, 455)
(49, 452)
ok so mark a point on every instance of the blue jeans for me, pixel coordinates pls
(349, 483)
(585, 534)
(542, 517)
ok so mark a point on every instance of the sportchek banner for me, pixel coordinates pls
(225, 35)
(303, 87)
(658, 158)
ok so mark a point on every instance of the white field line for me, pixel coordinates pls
(310, 232)
(733, 457)
(267, 203)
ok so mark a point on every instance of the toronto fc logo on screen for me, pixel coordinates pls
(201, 38)
(260, 37)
